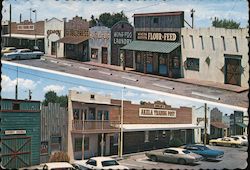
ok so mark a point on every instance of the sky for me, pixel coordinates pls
(40, 82)
(205, 10)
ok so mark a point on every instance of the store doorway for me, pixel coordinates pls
(233, 71)
(104, 55)
(53, 48)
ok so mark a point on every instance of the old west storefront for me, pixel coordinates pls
(20, 133)
(100, 45)
(25, 34)
(121, 34)
(148, 126)
(157, 43)
(76, 35)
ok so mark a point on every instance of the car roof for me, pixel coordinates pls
(102, 158)
(58, 165)
(176, 149)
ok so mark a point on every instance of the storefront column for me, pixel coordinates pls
(144, 62)
(171, 134)
(102, 145)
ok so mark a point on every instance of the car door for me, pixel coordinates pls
(91, 164)
(169, 155)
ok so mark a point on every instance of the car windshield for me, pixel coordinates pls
(186, 151)
(109, 163)
(243, 137)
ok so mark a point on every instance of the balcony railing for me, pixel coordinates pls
(95, 126)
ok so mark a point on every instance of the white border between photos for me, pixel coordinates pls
(128, 86)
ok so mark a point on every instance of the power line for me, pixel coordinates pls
(62, 81)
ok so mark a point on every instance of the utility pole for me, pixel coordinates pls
(10, 28)
(121, 136)
(30, 14)
(30, 92)
(16, 92)
(35, 24)
(205, 130)
(192, 16)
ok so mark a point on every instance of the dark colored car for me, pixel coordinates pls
(204, 151)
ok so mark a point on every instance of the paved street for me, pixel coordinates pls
(233, 158)
(139, 80)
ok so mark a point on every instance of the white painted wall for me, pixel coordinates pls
(54, 24)
(217, 59)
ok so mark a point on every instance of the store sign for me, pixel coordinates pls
(25, 27)
(99, 35)
(122, 38)
(15, 132)
(76, 33)
(157, 36)
(44, 147)
(159, 106)
(57, 32)
(147, 112)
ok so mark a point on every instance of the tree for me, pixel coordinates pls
(109, 20)
(225, 23)
(93, 21)
(51, 97)
(59, 157)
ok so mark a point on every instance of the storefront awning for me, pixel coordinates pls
(72, 40)
(241, 125)
(24, 36)
(219, 125)
(151, 127)
(151, 46)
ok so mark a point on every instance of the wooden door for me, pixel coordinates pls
(104, 55)
(233, 71)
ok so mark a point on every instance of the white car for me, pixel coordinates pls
(99, 163)
(22, 54)
(242, 138)
(51, 166)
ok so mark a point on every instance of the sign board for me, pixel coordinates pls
(122, 38)
(147, 112)
(57, 32)
(159, 106)
(157, 36)
(15, 132)
(100, 35)
(44, 147)
(25, 27)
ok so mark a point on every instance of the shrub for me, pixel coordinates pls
(175, 142)
(59, 157)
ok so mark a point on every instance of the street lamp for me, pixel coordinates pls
(35, 24)
(121, 127)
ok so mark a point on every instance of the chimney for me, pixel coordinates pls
(20, 18)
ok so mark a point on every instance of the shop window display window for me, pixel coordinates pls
(192, 64)
(94, 53)
(146, 139)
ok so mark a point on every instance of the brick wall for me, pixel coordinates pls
(131, 114)
(38, 28)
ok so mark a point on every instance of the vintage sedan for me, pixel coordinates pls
(175, 155)
(8, 50)
(99, 163)
(226, 141)
(206, 152)
(242, 138)
(22, 54)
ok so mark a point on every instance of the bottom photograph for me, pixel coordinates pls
(57, 121)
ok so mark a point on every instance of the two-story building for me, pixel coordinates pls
(91, 131)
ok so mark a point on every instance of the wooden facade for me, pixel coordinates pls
(54, 124)
(121, 34)
(20, 133)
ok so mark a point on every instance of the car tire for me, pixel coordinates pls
(182, 161)
(154, 158)
(214, 143)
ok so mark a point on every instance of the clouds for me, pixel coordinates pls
(56, 88)
(80, 89)
(8, 85)
(205, 10)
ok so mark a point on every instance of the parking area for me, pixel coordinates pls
(233, 158)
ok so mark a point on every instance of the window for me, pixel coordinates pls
(91, 162)
(106, 115)
(78, 144)
(212, 41)
(223, 42)
(99, 115)
(109, 163)
(94, 53)
(171, 151)
(192, 64)
(16, 106)
(192, 40)
(156, 135)
(146, 136)
(76, 114)
(92, 96)
(236, 44)
(155, 20)
(202, 44)
(183, 44)
(163, 133)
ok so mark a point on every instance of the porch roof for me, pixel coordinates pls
(151, 127)
(151, 46)
(243, 125)
(219, 125)
(73, 40)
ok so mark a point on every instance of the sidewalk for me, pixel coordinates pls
(212, 84)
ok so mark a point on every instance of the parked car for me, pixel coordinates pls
(205, 151)
(242, 138)
(226, 141)
(175, 155)
(99, 163)
(22, 54)
(8, 50)
(51, 166)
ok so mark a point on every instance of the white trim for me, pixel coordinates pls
(24, 36)
(128, 86)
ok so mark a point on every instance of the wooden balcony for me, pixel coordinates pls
(95, 126)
